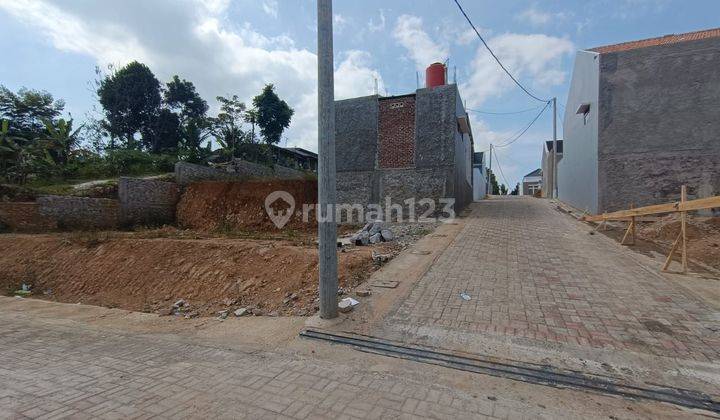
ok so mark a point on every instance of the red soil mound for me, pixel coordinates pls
(150, 274)
(241, 205)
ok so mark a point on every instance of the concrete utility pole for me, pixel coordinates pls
(488, 185)
(327, 227)
(554, 154)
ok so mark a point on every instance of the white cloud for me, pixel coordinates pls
(535, 59)
(422, 49)
(379, 26)
(191, 39)
(271, 7)
(354, 76)
(537, 17)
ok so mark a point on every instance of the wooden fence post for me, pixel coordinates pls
(683, 221)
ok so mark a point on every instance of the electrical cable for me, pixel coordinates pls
(514, 138)
(501, 171)
(503, 113)
(495, 57)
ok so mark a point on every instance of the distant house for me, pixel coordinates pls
(304, 159)
(641, 120)
(548, 180)
(480, 179)
(532, 182)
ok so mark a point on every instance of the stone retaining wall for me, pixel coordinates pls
(80, 212)
(147, 201)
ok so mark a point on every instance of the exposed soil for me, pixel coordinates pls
(224, 206)
(703, 235)
(275, 277)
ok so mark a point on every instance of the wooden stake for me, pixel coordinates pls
(683, 221)
(672, 251)
(631, 228)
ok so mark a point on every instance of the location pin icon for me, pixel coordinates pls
(280, 218)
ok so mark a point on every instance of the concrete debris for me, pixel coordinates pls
(372, 233)
(380, 258)
(347, 304)
(363, 293)
(241, 312)
(229, 301)
(165, 311)
(179, 304)
(387, 235)
(223, 314)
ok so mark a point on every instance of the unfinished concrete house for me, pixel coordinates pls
(641, 120)
(415, 146)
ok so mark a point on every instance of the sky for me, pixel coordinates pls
(228, 47)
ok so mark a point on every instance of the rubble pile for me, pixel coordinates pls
(372, 233)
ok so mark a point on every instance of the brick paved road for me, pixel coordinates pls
(70, 368)
(535, 273)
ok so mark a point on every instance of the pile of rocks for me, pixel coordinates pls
(372, 233)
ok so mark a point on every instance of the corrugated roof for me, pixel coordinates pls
(663, 40)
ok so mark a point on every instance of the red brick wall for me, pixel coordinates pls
(396, 132)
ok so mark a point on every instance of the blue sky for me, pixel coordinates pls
(234, 47)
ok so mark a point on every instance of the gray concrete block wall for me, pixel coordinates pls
(435, 126)
(238, 170)
(356, 134)
(659, 123)
(187, 173)
(80, 212)
(147, 202)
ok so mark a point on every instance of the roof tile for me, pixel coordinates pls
(663, 40)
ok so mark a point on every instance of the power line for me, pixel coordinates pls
(514, 138)
(503, 113)
(501, 171)
(495, 57)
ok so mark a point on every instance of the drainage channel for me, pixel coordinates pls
(542, 375)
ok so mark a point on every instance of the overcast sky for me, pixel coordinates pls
(235, 47)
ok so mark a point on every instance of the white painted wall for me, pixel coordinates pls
(578, 169)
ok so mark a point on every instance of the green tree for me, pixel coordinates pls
(26, 110)
(272, 113)
(131, 100)
(516, 190)
(181, 97)
(193, 125)
(503, 190)
(227, 126)
(61, 139)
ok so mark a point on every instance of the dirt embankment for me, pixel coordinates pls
(151, 274)
(703, 235)
(227, 206)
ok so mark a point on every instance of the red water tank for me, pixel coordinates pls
(435, 75)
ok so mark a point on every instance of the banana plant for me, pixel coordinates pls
(61, 139)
